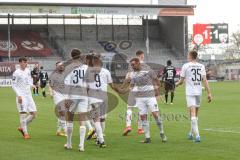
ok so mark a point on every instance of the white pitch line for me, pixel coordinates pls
(221, 130)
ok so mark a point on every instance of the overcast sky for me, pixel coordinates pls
(207, 11)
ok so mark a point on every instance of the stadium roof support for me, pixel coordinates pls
(80, 8)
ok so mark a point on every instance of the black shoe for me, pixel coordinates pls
(102, 145)
(147, 140)
(97, 142)
(163, 137)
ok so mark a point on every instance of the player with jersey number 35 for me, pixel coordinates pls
(194, 74)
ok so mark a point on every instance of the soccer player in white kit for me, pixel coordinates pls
(21, 84)
(98, 79)
(131, 103)
(145, 86)
(194, 73)
(77, 94)
(59, 98)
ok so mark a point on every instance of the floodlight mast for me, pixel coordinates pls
(9, 39)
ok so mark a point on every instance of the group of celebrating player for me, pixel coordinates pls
(79, 88)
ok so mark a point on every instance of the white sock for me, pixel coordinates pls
(82, 133)
(59, 125)
(69, 132)
(99, 132)
(139, 122)
(63, 123)
(194, 124)
(129, 118)
(159, 123)
(145, 126)
(88, 125)
(29, 119)
(23, 123)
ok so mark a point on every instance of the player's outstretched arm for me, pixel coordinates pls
(180, 82)
(209, 96)
(124, 88)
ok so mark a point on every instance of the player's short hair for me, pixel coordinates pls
(75, 53)
(193, 54)
(89, 57)
(21, 59)
(139, 52)
(41, 67)
(169, 62)
(135, 60)
(58, 62)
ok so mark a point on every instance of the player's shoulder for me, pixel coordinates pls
(186, 65)
(170, 67)
(200, 64)
(84, 66)
(17, 71)
(105, 70)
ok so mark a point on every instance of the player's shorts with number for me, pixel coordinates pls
(145, 104)
(27, 105)
(193, 101)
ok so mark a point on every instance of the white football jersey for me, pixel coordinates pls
(76, 80)
(193, 74)
(22, 82)
(100, 81)
(143, 80)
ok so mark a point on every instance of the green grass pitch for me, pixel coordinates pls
(221, 141)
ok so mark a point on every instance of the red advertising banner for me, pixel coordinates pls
(24, 43)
